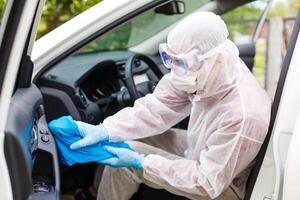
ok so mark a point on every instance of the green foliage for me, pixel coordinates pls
(2, 6)
(243, 19)
(56, 12)
(288, 8)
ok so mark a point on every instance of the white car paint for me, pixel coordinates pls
(292, 175)
(8, 86)
(53, 44)
(286, 118)
(270, 180)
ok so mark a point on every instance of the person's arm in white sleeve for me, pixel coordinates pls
(150, 115)
(227, 154)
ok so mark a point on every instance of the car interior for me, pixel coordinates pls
(89, 84)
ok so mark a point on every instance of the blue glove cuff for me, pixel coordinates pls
(139, 162)
(104, 130)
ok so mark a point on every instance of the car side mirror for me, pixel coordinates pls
(171, 8)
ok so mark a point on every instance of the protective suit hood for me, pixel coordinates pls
(218, 58)
(204, 30)
(220, 72)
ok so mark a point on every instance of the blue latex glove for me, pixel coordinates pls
(66, 132)
(91, 134)
(123, 158)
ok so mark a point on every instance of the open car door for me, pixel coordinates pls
(25, 141)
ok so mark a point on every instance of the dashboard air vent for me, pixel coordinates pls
(82, 97)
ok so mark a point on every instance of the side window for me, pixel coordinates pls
(55, 13)
(278, 29)
(2, 8)
(4, 12)
(242, 21)
(272, 39)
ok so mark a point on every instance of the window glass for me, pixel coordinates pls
(2, 8)
(139, 29)
(242, 21)
(242, 24)
(274, 40)
(55, 13)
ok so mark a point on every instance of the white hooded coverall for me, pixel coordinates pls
(229, 118)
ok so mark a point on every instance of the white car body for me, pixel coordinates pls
(278, 177)
(273, 174)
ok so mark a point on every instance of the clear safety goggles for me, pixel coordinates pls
(179, 63)
(183, 62)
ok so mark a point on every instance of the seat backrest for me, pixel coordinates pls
(247, 54)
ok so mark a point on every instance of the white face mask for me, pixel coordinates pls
(187, 82)
(192, 82)
(195, 81)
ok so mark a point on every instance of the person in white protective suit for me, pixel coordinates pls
(229, 116)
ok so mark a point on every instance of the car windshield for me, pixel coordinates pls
(139, 29)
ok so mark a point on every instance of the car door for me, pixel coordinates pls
(271, 176)
(26, 144)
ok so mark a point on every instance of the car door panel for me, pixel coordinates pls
(30, 149)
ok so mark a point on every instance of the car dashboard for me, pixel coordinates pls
(91, 87)
(87, 87)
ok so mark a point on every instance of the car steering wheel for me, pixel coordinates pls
(129, 81)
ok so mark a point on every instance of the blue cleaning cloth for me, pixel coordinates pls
(66, 132)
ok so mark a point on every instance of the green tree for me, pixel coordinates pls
(57, 12)
(2, 6)
(243, 19)
(285, 9)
